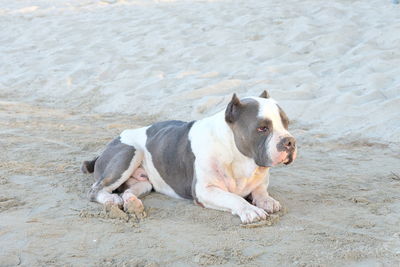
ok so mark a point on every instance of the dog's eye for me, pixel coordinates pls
(262, 129)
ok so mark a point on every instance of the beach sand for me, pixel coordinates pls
(74, 74)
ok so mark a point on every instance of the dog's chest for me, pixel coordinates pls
(243, 180)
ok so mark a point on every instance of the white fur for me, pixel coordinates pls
(224, 175)
(104, 197)
(136, 188)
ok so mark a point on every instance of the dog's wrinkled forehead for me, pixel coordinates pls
(266, 109)
(250, 110)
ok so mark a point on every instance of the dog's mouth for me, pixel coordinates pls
(290, 157)
(286, 159)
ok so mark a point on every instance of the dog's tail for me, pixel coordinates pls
(88, 166)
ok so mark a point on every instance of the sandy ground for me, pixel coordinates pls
(73, 74)
(342, 207)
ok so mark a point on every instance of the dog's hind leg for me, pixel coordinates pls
(136, 186)
(103, 196)
(113, 168)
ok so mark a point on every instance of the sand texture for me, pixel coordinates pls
(73, 74)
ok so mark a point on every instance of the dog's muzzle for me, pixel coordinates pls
(288, 149)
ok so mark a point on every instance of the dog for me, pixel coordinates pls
(217, 161)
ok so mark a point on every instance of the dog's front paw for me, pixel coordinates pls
(250, 213)
(268, 204)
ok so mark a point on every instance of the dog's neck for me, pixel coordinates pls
(239, 165)
(223, 134)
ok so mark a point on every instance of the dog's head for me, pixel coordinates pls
(260, 130)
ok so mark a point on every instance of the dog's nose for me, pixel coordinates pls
(289, 143)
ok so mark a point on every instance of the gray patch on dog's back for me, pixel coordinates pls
(110, 165)
(169, 145)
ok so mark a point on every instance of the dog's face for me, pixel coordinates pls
(260, 130)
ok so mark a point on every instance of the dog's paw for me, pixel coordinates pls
(268, 204)
(113, 199)
(134, 206)
(250, 213)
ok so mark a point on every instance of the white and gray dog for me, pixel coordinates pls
(217, 161)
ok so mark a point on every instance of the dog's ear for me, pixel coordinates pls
(232, 110)
(264, 94)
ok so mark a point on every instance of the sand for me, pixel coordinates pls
(73, 74)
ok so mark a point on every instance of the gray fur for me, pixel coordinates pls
(110, 165)
(194, 196)
(172, 155)
(242, 118)
(88, 165)
(287, 144)
(264, 94)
